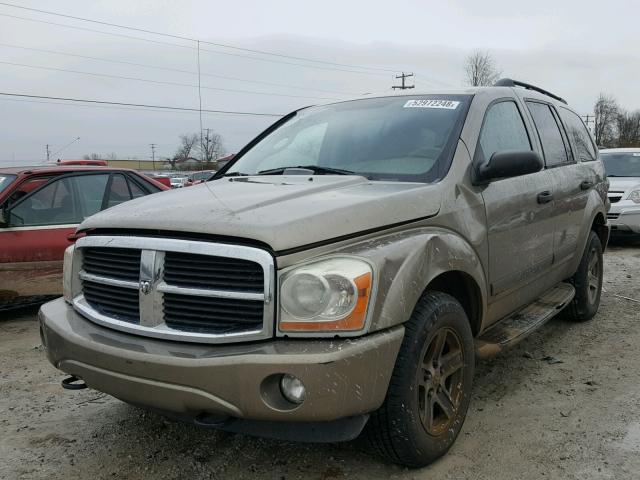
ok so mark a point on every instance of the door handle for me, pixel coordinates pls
(586, 185)
(545, 197)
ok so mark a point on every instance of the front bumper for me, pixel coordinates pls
(344, 377)
(624, 218)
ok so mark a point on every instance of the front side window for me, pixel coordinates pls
(52, 205)
(579, 134)
(555, 151)
(503, 130)
(621, 164)
(391, 138)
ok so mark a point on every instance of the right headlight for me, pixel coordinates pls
(635, 196)
(67, 273)
(326, 296)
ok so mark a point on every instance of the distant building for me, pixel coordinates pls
(140, 164)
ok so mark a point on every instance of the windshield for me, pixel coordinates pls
(408, 138)
(625, 164)
(5, 181)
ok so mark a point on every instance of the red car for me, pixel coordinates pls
(40, 208)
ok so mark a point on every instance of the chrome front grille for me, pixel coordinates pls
(615, 197)
(175, 289)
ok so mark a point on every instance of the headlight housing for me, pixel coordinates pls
(330, 295)
(635, 196)
(67, 273)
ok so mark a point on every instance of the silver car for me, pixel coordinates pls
(622, 166)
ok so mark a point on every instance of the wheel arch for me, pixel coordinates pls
(461, 286)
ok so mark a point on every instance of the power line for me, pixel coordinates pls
(163, 107)
(161, 82)
(180, 37)
(159, 42)
(169, 69)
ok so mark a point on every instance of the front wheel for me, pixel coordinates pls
(588, 282)
(430, 389)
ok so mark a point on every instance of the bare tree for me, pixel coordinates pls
(628, 129)
(211, 147)
(480, 69)
(186, 150)
(605, 112)
(92, 156)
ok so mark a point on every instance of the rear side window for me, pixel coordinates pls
(136, 191)
(90, 190)
(118, 191)
(503, 130)
(555, 151)
(582, 144)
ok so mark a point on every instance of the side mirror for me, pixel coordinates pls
(505, 165)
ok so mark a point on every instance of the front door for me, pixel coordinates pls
(519, 210)
(38, 231)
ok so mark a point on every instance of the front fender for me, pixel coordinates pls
(406, 262)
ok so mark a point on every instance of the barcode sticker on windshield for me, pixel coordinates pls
(448, 104)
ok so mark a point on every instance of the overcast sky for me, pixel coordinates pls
(571, 47)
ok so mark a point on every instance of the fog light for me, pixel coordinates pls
(293, 389)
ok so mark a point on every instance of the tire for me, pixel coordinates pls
(588, 282)
(402, 431)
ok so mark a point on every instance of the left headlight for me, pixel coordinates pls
(67, 273)
(635, 196)
(326, 296)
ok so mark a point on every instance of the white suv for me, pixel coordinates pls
(622, 166)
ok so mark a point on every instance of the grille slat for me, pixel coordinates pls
(117, 302)
(216, 315)
(210, 272)
(119, 263)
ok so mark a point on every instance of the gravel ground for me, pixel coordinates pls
(563, 404)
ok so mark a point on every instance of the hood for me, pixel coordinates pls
(623, 184)
(282, 211)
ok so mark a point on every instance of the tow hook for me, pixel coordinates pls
(69, 383)
(209, 421)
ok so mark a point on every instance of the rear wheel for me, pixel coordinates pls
(430, 389)
(588, 282)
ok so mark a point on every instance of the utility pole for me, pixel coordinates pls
(588, 119)
(153, 154)
(403, 77)
(48, 152)
(205, 148)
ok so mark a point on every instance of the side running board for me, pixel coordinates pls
(510, 330)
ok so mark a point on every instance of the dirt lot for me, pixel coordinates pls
(564, 404)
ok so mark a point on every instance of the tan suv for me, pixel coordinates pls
(343, 272)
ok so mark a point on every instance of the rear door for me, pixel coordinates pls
(520, 222)
(38, 231)
(569, 194)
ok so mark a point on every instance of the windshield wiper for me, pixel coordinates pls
(314, 168)
(232, 174)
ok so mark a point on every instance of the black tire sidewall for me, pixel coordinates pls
(435, 311)
(583, 309)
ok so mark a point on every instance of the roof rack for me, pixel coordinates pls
(507, 82)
